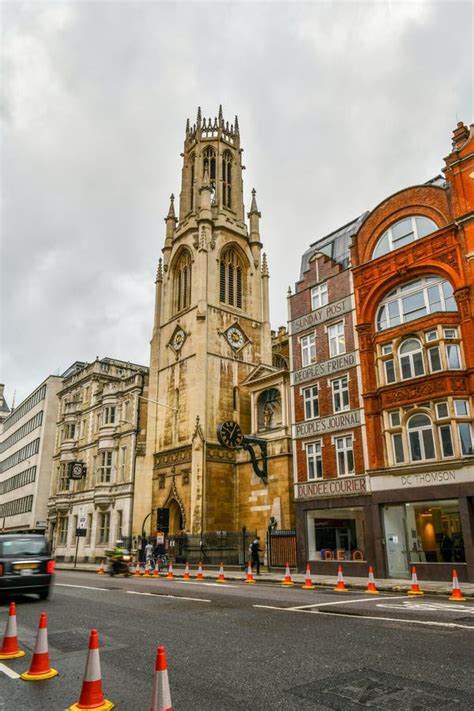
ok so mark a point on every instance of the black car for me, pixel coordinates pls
(25, 564)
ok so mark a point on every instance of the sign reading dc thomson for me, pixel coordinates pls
(328, 424)
(337, 308)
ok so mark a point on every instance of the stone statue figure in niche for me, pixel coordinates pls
(267, 415)
(269, 412)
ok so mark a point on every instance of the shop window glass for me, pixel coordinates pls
(434, 532)
(336, 534)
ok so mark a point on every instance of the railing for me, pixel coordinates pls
(281, 548)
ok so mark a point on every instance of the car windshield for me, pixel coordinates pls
(24, 546)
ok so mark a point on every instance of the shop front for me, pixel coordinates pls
(425, 519)
(333, 526)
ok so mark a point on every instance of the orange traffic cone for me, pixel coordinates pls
(199, 575)
(186, 575)
(287, 579)
(101, 570)
(161, 697)
(340, 585)
(92, 696)
(10, 649)
(40, 668)
(146, 574)
(220, 577)
(456, 592)
(156, 572)
(170, 574)
(371, 584)
(137, 569)
(250, 580)
(415, 588)
(308, 583)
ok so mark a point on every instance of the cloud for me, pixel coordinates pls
(340, 104)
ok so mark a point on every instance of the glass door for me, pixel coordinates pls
(395, 541)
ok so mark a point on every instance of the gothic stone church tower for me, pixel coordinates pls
(211, 333)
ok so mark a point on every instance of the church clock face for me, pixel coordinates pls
(229, 434)
(235, 338)
(178, 340)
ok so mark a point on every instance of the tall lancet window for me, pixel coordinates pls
(191, 179)
(231, 278)
(227, 179)
(182, 281)
(209, 162)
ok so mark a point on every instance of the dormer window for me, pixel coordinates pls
(403, 232)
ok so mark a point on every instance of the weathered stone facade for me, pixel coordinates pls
(211, 332)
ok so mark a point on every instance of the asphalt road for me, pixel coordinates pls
(232, 647)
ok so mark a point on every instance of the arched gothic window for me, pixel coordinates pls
(182, 281)
(227, 179)
(209, 162)
(231, 279)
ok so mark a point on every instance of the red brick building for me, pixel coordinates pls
(331, 494)
(412, 262)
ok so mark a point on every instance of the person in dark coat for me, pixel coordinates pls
(255, 551)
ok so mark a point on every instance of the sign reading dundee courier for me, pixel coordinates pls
(333, 423)
(332, 487)
(337, 308)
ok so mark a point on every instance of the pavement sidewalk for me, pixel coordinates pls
(327, 581)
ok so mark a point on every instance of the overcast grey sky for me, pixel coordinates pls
(340, 104)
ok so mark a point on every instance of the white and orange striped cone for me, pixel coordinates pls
(92, 696)
(186, 575)
(39, 668)
(146, 574)
(161, 697)
(287, 580)
(9, 648)
(156, 572)
(250, 580)
(101, 570)
(137, 569)
(199, 575)
(170, 574)
(371, 587)
(220, 577)
(340, 585)
(415, 588)
(456, 593)
(308, 583)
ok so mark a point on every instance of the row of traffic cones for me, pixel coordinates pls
(92, 695)
(287, 581)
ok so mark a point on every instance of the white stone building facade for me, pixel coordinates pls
(26, 455)
(101, 411)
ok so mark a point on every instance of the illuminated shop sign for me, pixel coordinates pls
(332, 487)
(333, 423)
(328, 367)
(320, 315)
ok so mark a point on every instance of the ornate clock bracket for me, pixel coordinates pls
(247, 443)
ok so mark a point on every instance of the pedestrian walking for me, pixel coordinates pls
(255, 550)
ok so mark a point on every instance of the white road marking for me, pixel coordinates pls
(84, 587)
(344, 602)
(9, 672)
(372, 617)
(430, 607)
(209, 585)
(175, 597)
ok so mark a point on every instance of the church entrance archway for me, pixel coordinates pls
(176, 517)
